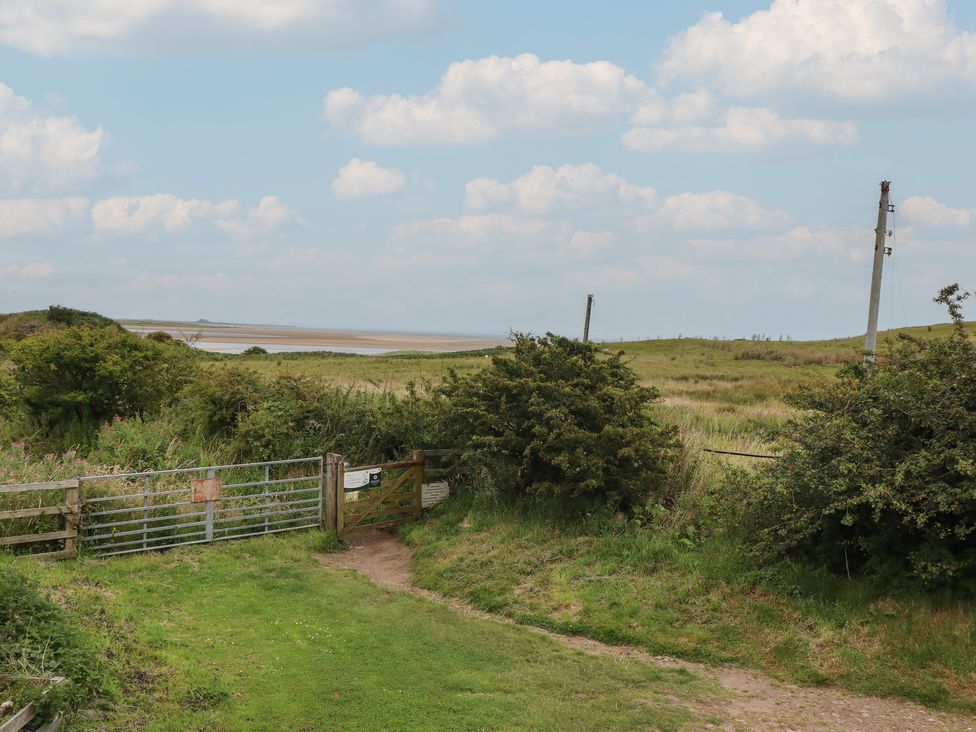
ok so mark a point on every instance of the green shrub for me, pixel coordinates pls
(304, 415)
(254, 351)
(292, 416)
(72, 380)
(562, 419)
(69, 317)
(160, 336)
(38, 640)
(213, 402)
(137, 444)
(878, 474)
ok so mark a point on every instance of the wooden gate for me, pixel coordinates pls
(391, 496)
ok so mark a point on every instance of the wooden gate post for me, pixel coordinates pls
(72, 516)
(418, 482)
(332, 491)
(340, 497)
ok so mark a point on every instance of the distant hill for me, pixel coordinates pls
(17, 326)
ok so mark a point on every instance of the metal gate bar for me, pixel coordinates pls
(247, 506)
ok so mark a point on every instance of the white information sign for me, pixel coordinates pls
(357, 480)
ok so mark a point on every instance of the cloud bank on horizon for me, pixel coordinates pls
(228, 159)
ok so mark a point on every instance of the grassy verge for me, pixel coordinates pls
(257, 635)
(702, 601)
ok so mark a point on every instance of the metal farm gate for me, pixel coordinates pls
(125, 513)
(159, 509)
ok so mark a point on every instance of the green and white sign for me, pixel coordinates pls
(358, 480)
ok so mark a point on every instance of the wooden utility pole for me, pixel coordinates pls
(880, 250)
(586, 325)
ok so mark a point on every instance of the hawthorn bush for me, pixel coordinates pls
(564, 420)
(878, 474)
(70, 381)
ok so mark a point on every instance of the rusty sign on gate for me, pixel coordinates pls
(206, 489)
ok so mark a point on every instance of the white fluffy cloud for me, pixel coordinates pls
(855, 50)
(481, 230)
(738, 129)
(40, 151)
(140, 27)
(544, 189)
(485, 99)
(712, 210)
(33, 271)
(162, 211)
(21, 217)
(367, 179)
(479, 100)
(587, 189)
(167, 213)
(927, 211)
(270, 215)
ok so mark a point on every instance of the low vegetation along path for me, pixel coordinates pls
(752, 701)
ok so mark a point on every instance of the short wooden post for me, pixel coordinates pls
(340, 497)
(418, 482)
(72, 516)
(332, 488)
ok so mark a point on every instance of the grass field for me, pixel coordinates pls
(702, 600)
(724, 394)
(258, 635)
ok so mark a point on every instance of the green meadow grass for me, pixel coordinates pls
(699, 599)
(257, 635)
(725, 394)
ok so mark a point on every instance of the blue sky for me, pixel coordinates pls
(704, 168)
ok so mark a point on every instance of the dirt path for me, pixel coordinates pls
(753, 701)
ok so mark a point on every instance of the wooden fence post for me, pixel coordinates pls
(72, 516)
(418, 482)
(332, 490)
(340, 496)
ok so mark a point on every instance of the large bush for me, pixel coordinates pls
(70, 381)
(559, 418)
(878, 474)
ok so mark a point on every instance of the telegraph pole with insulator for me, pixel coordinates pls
(880, 251)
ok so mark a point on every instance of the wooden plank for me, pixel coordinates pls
(72, 519)
(362, 510)
(384, 513)
(418, 483)
(29, 512)
(332, 490)
(26, 715)
(340, 471)
(20, 720)
(379, 499)
(49, 486)
(54, 725)
(32, 538)
(446, 451)
(354, 506)
(387, 524)
(384, 466)
(61, 554)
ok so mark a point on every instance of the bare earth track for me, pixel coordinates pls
(752, 700)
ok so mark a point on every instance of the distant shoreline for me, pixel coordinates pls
(234, 338)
